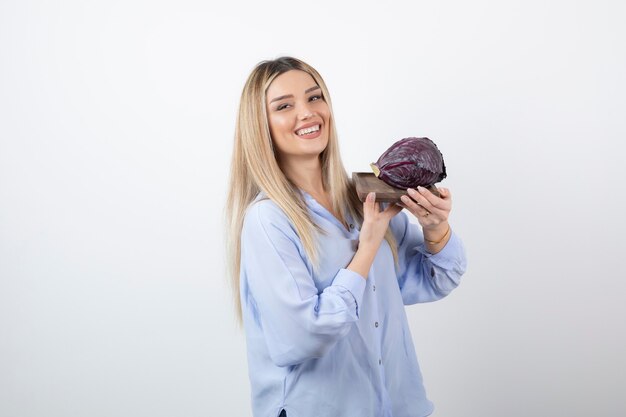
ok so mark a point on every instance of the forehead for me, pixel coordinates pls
(290, 82)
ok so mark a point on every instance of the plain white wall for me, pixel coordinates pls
(116, 127)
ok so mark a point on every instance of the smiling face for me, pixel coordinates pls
(298, 116)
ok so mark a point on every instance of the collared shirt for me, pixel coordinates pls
(326, 342)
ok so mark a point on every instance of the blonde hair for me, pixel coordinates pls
(254, 168)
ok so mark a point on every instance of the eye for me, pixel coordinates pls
(282, 106)
(315, 97)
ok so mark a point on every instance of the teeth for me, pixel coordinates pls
(308, 130)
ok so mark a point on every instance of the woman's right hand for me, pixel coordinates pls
(375, 222)
(373, 229)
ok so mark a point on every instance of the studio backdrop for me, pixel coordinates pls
(116, 130)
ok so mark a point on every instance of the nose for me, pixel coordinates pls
(305, 113)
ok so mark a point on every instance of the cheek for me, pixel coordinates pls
(279, 125)
(324, 112)
(326, 118)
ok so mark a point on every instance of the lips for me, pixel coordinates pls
(308, 129)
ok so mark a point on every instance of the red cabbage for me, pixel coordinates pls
(411, 162)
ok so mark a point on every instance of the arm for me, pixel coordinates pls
(423, 276)
(431, 264)
(297, 322)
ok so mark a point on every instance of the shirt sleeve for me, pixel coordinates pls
(422, 276)
(298, 322)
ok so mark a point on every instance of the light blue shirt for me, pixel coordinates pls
(327, 342)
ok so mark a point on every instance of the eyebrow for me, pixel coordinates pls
(308, 90)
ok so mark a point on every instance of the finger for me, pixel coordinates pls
(368, 205)
(375, 205)
(428, 198)
(413, 207)
(420, 200)
(443, 193)
(445, 199)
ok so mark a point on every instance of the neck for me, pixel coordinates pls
(306, 174)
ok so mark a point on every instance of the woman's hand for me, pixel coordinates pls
(430, 210)
(432, 214)
(373, 229)
(375, 222)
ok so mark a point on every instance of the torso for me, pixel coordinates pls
(324, 201)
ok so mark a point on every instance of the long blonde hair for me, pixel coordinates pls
(254, 168)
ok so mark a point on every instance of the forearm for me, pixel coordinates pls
(424, 276)
(362, 260)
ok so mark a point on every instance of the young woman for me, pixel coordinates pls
(320, 278)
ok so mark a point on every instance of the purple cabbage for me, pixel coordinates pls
(411, 162)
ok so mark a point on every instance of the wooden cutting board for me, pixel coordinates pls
(367, 182)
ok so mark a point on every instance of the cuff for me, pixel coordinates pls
(452, 254)
(352, 282)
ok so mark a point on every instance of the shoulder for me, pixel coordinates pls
(265, 216)
(263, 209)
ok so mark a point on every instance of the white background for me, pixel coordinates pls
(116, 128)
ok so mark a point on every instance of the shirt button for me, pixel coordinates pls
(380, 361)
(351, 226)
(374, 287)
(376, 324)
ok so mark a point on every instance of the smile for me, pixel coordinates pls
(308, 130)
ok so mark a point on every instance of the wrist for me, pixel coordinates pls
(435, 231)
(439, 236)
(367, 249)
(362, 260)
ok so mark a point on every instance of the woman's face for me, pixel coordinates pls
(298, 116)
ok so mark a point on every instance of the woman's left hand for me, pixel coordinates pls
(431, 211)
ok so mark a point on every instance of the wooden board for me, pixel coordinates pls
(367, 182)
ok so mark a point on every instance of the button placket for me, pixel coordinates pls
(377, 324)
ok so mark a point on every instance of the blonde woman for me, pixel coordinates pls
(321, 279)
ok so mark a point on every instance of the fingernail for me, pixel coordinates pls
(420, 188)
(371, 196)
(404, 198)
